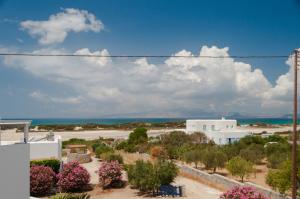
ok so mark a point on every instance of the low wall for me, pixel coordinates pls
(46, 149)
(226, 183)
(14, 171)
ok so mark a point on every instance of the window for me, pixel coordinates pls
(227, 126)
(204, 127)
(212, 127)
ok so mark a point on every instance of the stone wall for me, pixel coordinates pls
(225, 183)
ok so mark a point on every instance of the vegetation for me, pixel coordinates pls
(73, 141)
(193, 156)
(73, 177)
(110, 174)
(254, 153)
(158, 152)
(242, 193)
(213, 158)
(71, 196)
(147, 177)
(111, 156)
(239, 167)
(124, 126)
(42, 180)
(138, 136)
(54, 164)
(101, 149)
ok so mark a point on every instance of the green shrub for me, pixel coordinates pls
(111, 156)
(73, 141)
(166, 171)
(130, 148)
(71, 196)
(175, 138)
(96, 145)
(148, 177)
(121, 145)
(276, 159)
(54, 164)
(138, 136)
(102, 149)
(272, 148)
(275, 138)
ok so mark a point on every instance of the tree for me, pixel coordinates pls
(253, 153)
(194, 156)
(148, 177)
(138, 136)
(240, 167)
(276, 159)
(166, 171)
(141, 175)
(198, 137)
(280, 179)
(251, 139)
(175, 139)
(213, 158)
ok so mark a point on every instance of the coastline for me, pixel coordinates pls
(10, 135)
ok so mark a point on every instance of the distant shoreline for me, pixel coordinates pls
(130, 121)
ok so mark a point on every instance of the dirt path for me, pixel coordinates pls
(193, 189)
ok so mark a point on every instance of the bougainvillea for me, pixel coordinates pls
(73, 177)
(42, 179)
(242, 193)
(110, 173)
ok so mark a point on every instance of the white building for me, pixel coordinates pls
(220, 131)
(14, 166)
(16, 155)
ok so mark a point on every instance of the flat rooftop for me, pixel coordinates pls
(15, 122)
(203, 120)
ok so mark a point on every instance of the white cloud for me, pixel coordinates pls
(173, 87)
(50, 99)
(56, 28)
(279, 97)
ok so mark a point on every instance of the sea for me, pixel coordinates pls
(111, 121)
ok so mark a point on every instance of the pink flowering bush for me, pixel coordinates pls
(73, 177)
(42, 179)
(242, 193)
(110, 173)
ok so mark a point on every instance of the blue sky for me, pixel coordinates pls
(149, 27)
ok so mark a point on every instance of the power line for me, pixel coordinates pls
(147, 56)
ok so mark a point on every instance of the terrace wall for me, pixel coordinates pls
(225, 183)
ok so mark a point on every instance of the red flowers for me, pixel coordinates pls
(242, 193)
(73, 177)
(110, 173)
(42, 180)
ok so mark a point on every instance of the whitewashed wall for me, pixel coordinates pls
(14, 171)
(197, 125)
(46, 149)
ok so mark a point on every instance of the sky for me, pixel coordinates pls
(147, 87)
